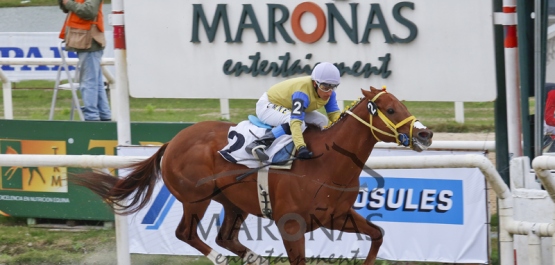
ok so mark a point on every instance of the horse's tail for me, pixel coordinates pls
(139, 183)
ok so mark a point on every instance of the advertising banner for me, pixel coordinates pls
(238, 49)
(433, 215)
(38, 45)
(43, 192)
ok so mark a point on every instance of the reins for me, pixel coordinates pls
(392, 126)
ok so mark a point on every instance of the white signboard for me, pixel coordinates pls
(422, 50)
(433, 215)
(38, 45)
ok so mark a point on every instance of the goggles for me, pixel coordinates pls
(325, 87)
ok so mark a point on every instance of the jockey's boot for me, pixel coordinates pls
(260, 145)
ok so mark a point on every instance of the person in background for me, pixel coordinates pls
(292, 103)
(549, 118)
(87, 15)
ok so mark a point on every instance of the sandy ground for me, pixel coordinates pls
(474, 137)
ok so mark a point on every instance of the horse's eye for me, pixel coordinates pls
(390, 111)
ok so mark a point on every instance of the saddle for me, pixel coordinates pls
(280, 152)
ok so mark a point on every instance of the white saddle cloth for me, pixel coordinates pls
(240, 136)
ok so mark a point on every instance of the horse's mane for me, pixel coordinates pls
(344, 113)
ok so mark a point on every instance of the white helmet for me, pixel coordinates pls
(325, 72)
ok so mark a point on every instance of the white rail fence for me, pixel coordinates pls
(508, 226)
(543, 165)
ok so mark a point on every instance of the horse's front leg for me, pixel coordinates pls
(353, 222)
(292, 233)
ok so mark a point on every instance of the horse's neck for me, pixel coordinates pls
(354, 136)
(352, 144)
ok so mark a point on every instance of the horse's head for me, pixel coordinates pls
(390, 121)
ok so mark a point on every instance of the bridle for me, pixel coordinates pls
(400, 138)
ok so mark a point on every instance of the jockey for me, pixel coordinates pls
(292, 103)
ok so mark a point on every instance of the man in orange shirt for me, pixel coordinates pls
(87, 15)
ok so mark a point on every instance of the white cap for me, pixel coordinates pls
(325, 72)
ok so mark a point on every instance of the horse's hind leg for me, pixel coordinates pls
(228, 236)
(353, 222)
(187, 230)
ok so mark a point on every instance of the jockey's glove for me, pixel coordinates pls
(304, 153)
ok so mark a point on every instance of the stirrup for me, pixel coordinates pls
(258, 152)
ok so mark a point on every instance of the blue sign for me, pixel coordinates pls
(438, 201)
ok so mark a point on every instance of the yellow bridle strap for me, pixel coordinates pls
(392, 126)
(382, 116)
(378, 95)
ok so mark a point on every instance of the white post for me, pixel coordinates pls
(124, 138)
(538, 88)
(506, 246)
(123, 118)
(514, 125)
(553, 243)
(7, 96)
(224, 108)
(534, 248)
(459, 112)
(112, 83)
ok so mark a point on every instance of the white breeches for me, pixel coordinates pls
(276, 115)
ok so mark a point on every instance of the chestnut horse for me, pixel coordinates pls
(322, 188)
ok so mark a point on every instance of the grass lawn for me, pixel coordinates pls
(32, 100)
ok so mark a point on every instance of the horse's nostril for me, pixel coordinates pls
(426, 134)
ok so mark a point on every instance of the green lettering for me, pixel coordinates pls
(273, 24)
(284, 61)
(334, 14)
(376, 11)
(227, 64)
(221, 13)
(254, 66)
(385, 61)
(249, 12)
(413, 30)
(262, 67)
(287, 67)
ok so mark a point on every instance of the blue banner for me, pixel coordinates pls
(412, 200)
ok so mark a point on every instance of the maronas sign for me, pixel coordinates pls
(238, 49)
(375, 20)
(285, 68)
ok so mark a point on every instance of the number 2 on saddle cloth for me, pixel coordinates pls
(242, 134)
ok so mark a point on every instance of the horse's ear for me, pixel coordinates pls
(373, 89)
(367, 93)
